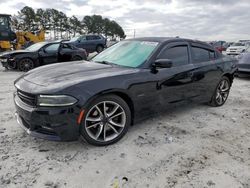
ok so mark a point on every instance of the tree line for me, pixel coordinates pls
(59, 25)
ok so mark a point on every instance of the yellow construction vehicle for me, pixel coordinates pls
(18, 40)
(6, 34)
(25, 38)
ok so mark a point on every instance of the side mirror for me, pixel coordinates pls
(163, 63)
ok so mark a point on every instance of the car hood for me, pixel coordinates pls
(61, 75)
(14, 52)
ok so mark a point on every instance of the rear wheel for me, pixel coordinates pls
(25, 64)
(99, 48)
(106, 121)
(221, 93)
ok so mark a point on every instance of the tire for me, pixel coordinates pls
(77, 58)
(25, 64)
(104, 128)
(99, 48)
(221, 92)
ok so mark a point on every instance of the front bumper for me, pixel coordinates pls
(4, 63)
(233, 52)
(7, 63)
(58, 124)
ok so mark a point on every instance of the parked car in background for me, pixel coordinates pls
(100, 99)
(244, 62)
(42, 53)
(236, 48)
(91, 43)
(220, 46)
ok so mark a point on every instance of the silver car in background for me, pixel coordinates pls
(236, 48)
(244, 62)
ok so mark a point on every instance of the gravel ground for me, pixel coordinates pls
(189, 146)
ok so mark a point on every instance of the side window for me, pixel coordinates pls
(66, 47)
(90, 37)
(212, 55)
(97, 37)
(83, 39)
(52, 48)
(178, 55)
(200, 54)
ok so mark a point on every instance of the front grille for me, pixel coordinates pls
(44, 130)
(27, 98)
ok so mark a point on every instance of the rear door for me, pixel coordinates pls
(49, 54)
(91, 41)
(208, 68)
(65, 52)
(176, 83)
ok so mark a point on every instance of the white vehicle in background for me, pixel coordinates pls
(236, 48)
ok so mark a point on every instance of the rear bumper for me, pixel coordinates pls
(57, 124)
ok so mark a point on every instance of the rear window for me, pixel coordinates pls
(202, 54)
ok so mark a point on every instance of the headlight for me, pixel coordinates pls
(4, 60)
(55, 100)
(12, 58)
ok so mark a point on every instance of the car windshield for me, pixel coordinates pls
(74, 39)
(127, 53)
(238, 44)
(36, 46)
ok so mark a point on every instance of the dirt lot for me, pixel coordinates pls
(193, 146)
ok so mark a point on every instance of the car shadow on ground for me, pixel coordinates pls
(139, 128)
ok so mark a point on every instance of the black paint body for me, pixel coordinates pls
(41, 57)
(145, 90)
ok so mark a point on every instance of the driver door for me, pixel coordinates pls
(49, 54)
(176, 83)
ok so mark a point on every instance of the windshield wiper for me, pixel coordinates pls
(105, 62)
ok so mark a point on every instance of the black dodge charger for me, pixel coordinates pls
(129, 81)
(42, 53)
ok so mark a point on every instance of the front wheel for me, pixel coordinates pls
(106, 121)
(25, 64)
(221, 93)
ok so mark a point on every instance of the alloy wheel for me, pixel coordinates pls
(222, 91)
(105, 121)
(26, 65)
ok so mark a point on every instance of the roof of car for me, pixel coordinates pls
(165, 39)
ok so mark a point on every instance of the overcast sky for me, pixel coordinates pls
(196, 19)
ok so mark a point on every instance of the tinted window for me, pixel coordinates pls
(96, 37)
(178, 55)
(201, 54)
(83, 38)
(212, 55)
(52, 48)
(90, 37)
(66, 47)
